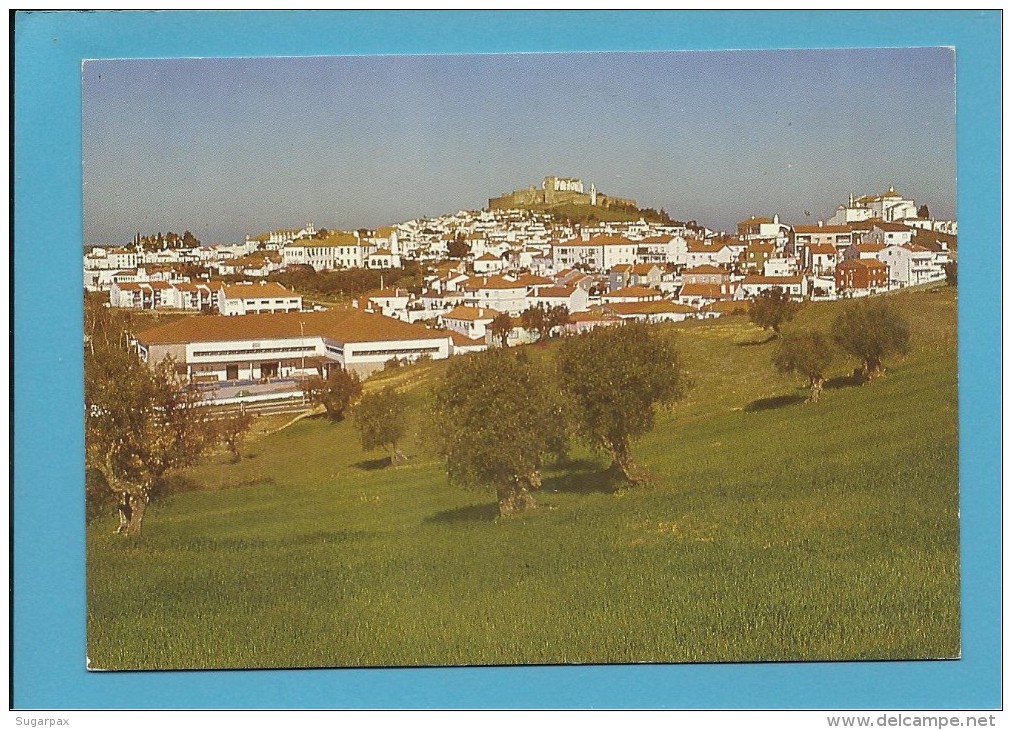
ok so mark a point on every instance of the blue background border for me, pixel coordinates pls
(48, 568)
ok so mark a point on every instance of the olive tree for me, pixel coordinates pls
(617, 378)
(772, 308)
(871, 330)
(500, 327)
(335, 394)
(535, 319)
(381, 420)
(496, 418)
(808, 354)
(140, 422)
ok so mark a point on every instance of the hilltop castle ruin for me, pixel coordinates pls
(557, 191)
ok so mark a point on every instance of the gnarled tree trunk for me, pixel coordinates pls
(816, 384)
(397, 457)
(132, 499)
(132, 507)
(621, 460)
(873, 369)
(515, 496)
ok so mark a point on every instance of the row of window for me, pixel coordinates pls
(254, 351)
(403, 351)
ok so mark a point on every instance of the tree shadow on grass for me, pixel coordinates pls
(756, 343)
(590, 479)
(769, 404)
(471, 513)
(373, 464)
(844, 381)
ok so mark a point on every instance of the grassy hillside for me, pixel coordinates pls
(773, 529)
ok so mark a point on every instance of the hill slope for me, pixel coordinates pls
(773, 530)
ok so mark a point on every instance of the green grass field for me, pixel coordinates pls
(772, 530)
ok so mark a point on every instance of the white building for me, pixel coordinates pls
(889, 206)
(237, 299)
(910, 265)
(753, 286)
(110, 258)
(573, 298)
(264, 346)
(472, 322)
(338, 250)
(495, 292)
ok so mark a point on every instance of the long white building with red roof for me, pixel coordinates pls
(264, 346)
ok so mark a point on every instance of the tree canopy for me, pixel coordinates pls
(381, 420)
(140, 422)
(501, 327)
(871, 330)
(808, 354)
(617, 378)
(534, 319)
(458, 248)
(557, 316)
(772, 308)
(496, 418)
(336, 393)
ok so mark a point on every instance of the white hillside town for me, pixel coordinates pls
(246, 327)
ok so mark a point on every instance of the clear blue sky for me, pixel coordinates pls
(226, 147)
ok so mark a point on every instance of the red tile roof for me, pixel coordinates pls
(491, 282)
(822, 249)
(641, 292)
(471, 314)
(256, 291)
(707, 291)
(347, 325)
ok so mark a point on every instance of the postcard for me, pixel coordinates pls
(521, 359)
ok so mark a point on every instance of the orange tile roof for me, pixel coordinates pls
(491, 282)
(255, 291)
(705, 269)
(333, 238)
(641, 292)
(709, 291)
(340, 325)
(822, 249)
(532, 280)
(471, 314)
(694, 245)
(643, 269)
